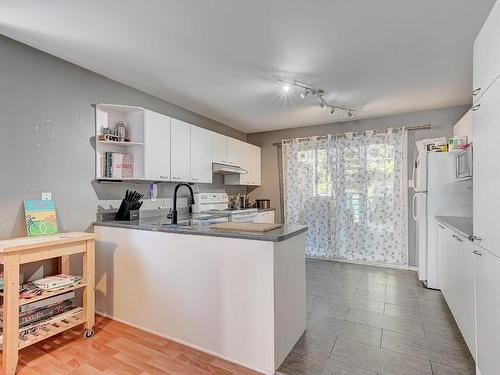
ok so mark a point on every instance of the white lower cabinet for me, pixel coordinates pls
(488, 313)
(457, 281)
(470, 282)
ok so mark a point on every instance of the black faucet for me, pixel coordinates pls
(174, 207)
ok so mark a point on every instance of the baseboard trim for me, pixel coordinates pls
(364, 263)
(184, 343)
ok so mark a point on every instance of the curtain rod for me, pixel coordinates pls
(408, 128)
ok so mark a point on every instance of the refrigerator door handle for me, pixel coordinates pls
(413, 203)
(413, 175)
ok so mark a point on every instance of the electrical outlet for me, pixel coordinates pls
(46, 196)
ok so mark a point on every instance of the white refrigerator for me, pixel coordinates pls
(437, 193)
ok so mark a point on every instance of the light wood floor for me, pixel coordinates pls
(361, 320)
(375, 321)
(118, 349)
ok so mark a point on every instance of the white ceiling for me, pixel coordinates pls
(218, 57)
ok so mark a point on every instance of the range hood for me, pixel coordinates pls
(227, 169)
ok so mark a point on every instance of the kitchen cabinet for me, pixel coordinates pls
(457, 281)
(441, 255)
(236, 151)
(466, 293)
(180, 150)
(487, 53)
(266, 217)
(219, 150)
(486, 181)
(201, 155)
(254, 171)
(249, 160)
(488, 313)
(157, 146)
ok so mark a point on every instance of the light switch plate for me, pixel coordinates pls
(46, 196)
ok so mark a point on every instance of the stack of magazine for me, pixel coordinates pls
(47, 311)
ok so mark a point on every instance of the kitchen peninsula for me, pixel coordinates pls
(237, 295)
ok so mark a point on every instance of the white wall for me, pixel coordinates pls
(38, 89)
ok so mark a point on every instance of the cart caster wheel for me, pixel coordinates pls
(88, 334)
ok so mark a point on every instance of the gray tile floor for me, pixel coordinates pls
(364, 320)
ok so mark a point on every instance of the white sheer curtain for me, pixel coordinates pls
(351, 192)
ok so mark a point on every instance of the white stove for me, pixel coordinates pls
(219, 203)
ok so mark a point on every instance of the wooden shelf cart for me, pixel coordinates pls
(16, 252)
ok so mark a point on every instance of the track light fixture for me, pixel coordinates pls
(317, 93)
(305, 93)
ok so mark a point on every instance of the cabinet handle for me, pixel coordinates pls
(476, 91)
(457, 238)
(195, 178)
(441, 226)
(475, 108)
(176, 178)
(164, 177)
(476, 238)
(475, 252)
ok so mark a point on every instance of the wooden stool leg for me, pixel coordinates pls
(89, 293)
(11, 314)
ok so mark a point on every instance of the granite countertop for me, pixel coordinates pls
(160, 224)
(461, 225)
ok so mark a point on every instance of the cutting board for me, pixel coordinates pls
(246, 227)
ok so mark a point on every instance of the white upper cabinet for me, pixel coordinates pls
(249, 159)
(236, 151)
(201, 155)
(255, 153)
(219, 148)
(486, 179)
(487, 53)
(157, 146)
(488, 313)
(180, 151)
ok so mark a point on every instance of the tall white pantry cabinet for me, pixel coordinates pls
(486, 183)
(171, 150)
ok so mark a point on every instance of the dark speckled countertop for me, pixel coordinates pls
(160, 224)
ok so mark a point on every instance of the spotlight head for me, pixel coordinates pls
(304, 94)
(349, 114)
(332, 111)
(322, 105)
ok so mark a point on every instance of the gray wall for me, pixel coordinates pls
(442, 121)
(38, 89)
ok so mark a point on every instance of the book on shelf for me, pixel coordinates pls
(69, 313)
(41, 314)
(43, 303)
(29, 307)
(117, 165)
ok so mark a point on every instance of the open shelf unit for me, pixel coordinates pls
(107, 116)
(14, 253)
